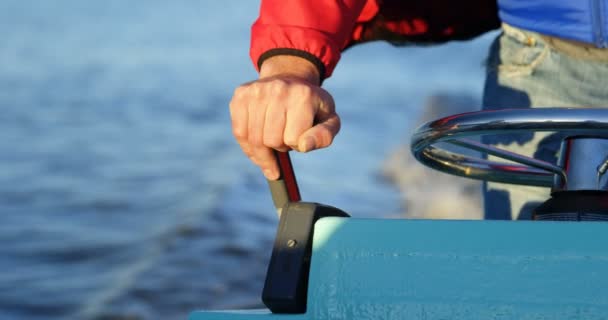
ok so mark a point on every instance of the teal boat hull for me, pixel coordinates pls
(421, 269)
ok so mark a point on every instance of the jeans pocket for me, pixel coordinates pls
(520, 52)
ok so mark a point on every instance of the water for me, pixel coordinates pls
(122, 192)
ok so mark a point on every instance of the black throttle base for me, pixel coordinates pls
(286, 286)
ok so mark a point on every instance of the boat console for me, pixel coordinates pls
(326, 265)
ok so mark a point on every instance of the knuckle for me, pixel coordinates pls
(290, 141)
(256, 89)
(278, 86)
(327, 139)
(239, 133)
(305, 91)
(255, 160)
(325, 136)
(246, 149)
(273, 141)
(239, 92)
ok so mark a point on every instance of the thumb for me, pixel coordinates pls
(320, 135)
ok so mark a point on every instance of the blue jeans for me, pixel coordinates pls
(527, 70)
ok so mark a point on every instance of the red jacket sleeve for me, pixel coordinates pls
(317, 30)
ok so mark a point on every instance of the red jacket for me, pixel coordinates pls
(319, 30)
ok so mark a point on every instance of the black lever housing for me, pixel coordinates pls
(286, 285)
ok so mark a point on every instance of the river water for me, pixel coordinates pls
(122, 192)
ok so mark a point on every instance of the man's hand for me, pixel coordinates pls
(284, 109)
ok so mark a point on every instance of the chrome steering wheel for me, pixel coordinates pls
(523, 170)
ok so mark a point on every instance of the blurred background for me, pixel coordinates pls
(122, 192)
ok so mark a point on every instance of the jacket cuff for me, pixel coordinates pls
(294, 52)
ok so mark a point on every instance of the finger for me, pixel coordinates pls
(262, 155)
(299, 118)
(320, 136)
(274, 127)
(266, 160)
(239, 115)
(256, 110)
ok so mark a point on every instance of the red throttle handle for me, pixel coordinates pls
(285, 189)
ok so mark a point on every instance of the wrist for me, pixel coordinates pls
(288, 65)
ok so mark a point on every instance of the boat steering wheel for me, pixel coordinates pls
(523, 170)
